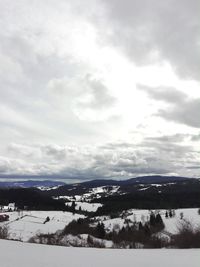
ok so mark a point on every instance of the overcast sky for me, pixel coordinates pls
(99, 88)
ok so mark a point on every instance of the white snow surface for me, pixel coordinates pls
(22, 226)
(18, 254)
(104, 189)
(91, 207)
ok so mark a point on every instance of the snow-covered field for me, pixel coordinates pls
(22, 226)
(18, 254)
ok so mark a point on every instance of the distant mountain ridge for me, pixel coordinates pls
(30, 183)
(138, 180)
(155, 179)
(152, 179)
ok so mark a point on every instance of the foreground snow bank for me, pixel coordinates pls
(17, 254)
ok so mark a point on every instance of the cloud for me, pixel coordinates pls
(176, 138)
(42, 50)
(195, 137)
(150, 31)
(68, 97)
(154, 155)
(186, 113)
(54, 151)
(194, 167)
(99, 97)
(163, 93)
(88, 97)
(181, 108)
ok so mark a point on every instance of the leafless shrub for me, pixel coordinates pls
(48, 239)
(92, 242)
(4, 232)
(156, 242)
(188, 235)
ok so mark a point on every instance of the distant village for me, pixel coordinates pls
(10, 207)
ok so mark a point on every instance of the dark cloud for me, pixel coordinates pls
(151, 30)
(195, 137)
(186, 113)
(163, 93)
(182, 109)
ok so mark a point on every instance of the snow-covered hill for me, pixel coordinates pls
(171, 224)
(24, 225)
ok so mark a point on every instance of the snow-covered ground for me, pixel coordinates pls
(171, 224)
(18, 254)
(91, 207)
(22, 226)
(105, 189)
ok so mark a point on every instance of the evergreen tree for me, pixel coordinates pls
(141, 228)
(147, 230)
(73, 206)
(173, 213)
(170, 214)
(100, 229)
(152, 219)
(159, 221)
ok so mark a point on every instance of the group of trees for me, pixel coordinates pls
(170, 213)
(142, 200)
(156, 222)
(131, 233)
(30, 198)
(83, 226)
(71, 207)
(134, 233)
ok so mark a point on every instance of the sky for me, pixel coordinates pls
(99, 89)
